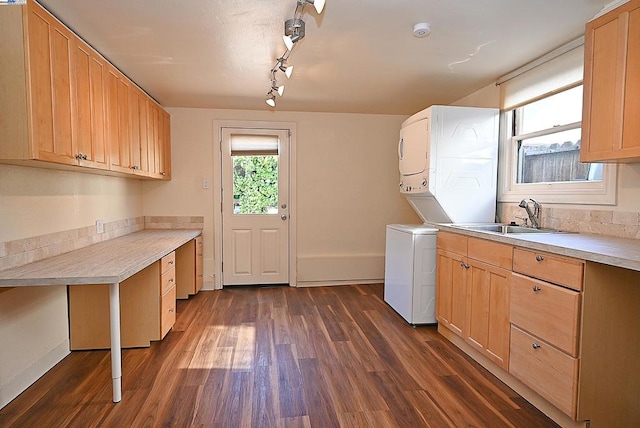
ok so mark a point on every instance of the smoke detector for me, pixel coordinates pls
(421, 29)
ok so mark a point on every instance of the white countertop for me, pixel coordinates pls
(107, 262)
(608, 250)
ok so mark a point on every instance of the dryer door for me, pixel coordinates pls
(413, 149)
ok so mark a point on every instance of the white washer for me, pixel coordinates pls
(410, 272)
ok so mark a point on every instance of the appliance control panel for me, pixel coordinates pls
(418, 183)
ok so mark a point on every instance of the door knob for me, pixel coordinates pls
(283, 216)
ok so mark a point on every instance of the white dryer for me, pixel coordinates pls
(410, 272)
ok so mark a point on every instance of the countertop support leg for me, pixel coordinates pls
(116, 350)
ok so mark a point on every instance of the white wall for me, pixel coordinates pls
(346, 186)
(33, 320)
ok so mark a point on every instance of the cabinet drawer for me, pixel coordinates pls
(550, 267)
(167, 280)
(452, 242)
(168, 262)
(547, 311)
(490, 252)
(167, 311)
(548, 371)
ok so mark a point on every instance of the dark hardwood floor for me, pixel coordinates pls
(279, 357)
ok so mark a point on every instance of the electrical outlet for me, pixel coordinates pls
(99, 226)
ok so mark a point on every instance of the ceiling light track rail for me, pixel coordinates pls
(294, 31)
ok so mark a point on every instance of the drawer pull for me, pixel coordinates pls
(170, 310)
(536, 288)
(170, 279)
(170, 262)
(535, 346)
(539, 258)
(464, 265)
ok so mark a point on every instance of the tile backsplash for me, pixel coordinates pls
(621, 224)
(23, 251)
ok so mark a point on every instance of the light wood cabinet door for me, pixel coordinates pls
(119, 121)
(136, 131)
(159, 145)
(50, 51)
(451, 291)
(610, 126)
(488, 311)
(90, 139)
(143, 135)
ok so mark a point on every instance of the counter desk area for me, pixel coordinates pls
(146, 257)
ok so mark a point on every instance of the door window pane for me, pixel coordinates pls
(255, 184)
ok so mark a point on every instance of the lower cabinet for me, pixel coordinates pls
(561, 331)
(147, 301)
(147, 308)
(472, 297)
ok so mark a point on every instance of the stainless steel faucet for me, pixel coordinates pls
(534, 215)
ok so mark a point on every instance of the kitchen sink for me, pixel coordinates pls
(504, 229)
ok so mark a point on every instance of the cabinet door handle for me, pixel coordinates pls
(536, 288)
(535, 346)
(539, 258)
(464, 265)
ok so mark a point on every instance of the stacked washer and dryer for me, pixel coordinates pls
(448, 161)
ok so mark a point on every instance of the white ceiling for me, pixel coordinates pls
(358, 56)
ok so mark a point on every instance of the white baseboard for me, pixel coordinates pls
(340, 268)
(334, 283)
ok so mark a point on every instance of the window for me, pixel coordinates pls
(540, 144)
(255, 174)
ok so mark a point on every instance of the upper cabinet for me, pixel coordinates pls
(63, 105)
(610, 126)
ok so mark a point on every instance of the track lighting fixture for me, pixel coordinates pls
(294, 31)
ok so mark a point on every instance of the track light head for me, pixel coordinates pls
(271, 99)
(288, 70)
(318, 5)
(278, 89)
